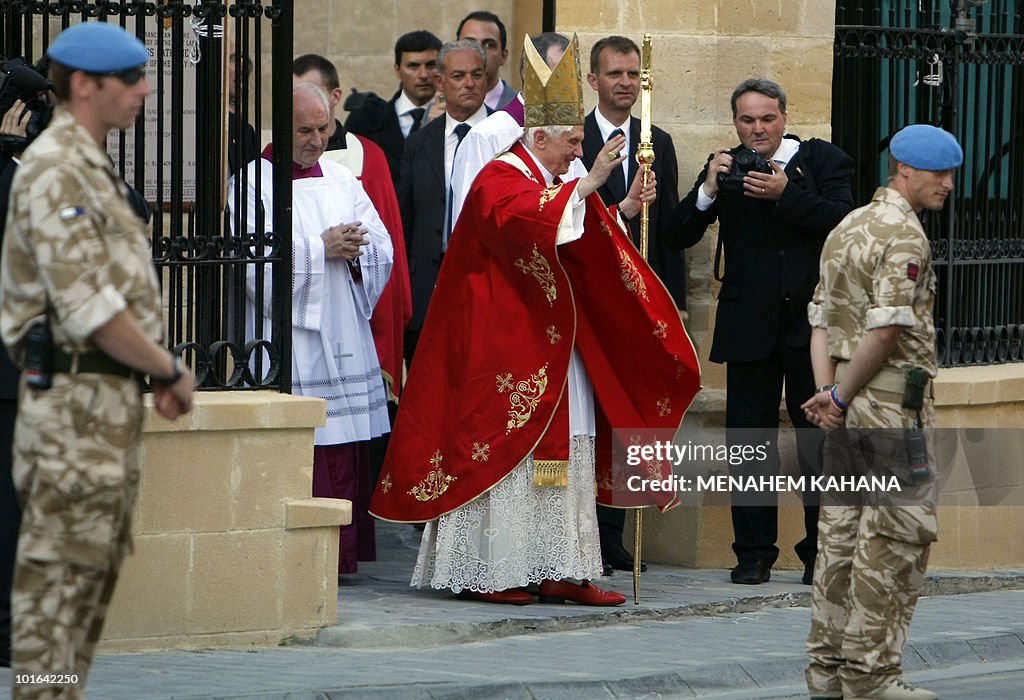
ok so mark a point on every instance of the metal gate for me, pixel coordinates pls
(955, 64)
(180, 156)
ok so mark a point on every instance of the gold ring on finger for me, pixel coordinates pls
(612, 156)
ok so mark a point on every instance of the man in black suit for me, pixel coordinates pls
(615, 75)
(424, 189)
(13, 125)
(487, 29)
(771, 228)
(389, 124)
(243, 145)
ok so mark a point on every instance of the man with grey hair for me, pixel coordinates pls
(541, 309)
(776, 198)
(342, 260)
(424, 185)
(502, 129)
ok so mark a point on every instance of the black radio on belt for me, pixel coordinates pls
(39, 356)
(913, 438)
(917, 456)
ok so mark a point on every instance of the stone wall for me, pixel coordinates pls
(984, 466)
(229, 547)
(359, 35)
(701, 51)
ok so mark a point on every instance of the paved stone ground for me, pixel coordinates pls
(693, 635)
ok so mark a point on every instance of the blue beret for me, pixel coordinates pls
(98, 47)
(926, 148)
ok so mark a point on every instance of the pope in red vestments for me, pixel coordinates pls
(546, 328)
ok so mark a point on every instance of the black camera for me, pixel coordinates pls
(20, 80)
(744, 160)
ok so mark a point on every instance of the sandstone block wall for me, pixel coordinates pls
(229, 546)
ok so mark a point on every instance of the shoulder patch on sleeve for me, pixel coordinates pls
(912, 269)
(71, 213)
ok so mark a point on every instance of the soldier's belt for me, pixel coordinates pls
(89, 363)
(891, 380)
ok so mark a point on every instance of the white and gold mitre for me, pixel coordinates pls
(553, 97)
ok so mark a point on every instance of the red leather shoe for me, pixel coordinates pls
(512, 596)
(584, 593)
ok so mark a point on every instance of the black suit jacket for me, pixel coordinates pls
(9, 373)
(377, 121)
(668, 264)
(421, 198)
(771, 251)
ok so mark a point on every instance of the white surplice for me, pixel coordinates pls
(333, 355)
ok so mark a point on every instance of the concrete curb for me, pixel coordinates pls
(417, 636)
(434, 634)
(692, 682)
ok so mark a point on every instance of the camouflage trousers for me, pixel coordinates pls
(870, 568)
(76, 472)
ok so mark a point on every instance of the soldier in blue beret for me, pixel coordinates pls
(80, 313)
(926, 147)
(873, 347)
(101, 49)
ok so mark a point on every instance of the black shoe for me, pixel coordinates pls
(752, 572)
(607, 569)
(619, 558)
(808, 577)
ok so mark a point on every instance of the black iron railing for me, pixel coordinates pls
(178, 155)
(960, 66)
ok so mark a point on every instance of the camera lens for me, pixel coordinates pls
(745, 158)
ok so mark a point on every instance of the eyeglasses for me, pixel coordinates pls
(128, 76)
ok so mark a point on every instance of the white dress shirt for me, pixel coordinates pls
(403, 107)
(607, 128)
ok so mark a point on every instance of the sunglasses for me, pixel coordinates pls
(128, 76)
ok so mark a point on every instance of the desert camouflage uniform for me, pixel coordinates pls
(74, 249)
(875, 272)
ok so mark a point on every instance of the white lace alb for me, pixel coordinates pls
(517, 533)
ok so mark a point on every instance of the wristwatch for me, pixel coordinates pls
(179, 372)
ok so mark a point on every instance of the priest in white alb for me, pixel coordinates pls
(342, 257)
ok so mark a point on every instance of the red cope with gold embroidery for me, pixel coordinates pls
(488, 385)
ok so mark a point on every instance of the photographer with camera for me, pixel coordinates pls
(776, 198)
(13, 124)
(25, 113)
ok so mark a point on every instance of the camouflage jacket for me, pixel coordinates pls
(876, 271)
(74, 248)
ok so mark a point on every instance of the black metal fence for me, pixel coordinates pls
(958, 64)
(187, 153)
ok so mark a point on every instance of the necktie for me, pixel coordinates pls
(616, 180)
(417, 117)
(460, 133)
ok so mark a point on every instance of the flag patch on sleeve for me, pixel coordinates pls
(71, 213)
(912, 270)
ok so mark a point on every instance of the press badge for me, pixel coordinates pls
(71, 213)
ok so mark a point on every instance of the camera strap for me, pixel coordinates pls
(718, 257)
(804, 168)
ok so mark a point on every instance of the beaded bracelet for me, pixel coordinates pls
(835, 399)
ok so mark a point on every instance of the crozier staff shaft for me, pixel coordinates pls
(645, 149)
(645, 159)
